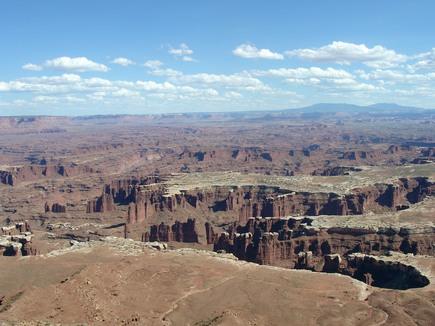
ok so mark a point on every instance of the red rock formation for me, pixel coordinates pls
(55, 208)
(210, 234)
(34, 172)
(280, 242)
(179, 231)
(104, 203)
(145, 200)
(335, 171)
(16, 240)
(6, 178)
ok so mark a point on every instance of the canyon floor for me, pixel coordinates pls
(276, 218)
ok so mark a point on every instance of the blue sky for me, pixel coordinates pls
(98, 57)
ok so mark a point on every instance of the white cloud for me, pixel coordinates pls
(166, 72)
(187, 58)
(31, 67)
(302, 73)
(4, 86)
(326, 78)
(395, 76)
(233, 95)
(123, 61)
(249, 51)
(183, 52)
(352, 85)
(65, 83)
(153, 64)
(80, 64)
(346, 53)
(97, 96)
(124, 92)
(234, 80)
(42, 99)
(425, 61)
(97, 82)
(154, 86)
(183, 49)
(156, 69)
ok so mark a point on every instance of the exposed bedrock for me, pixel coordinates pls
(16, 240)
(313, 153)
(123, 192)
(54, 208)
(278, 241)
(146, 197)
(179, 231)
(6, 178)
(34, 172)
(383, 273)
(292, 243)
(336, 170)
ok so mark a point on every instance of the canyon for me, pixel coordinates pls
(288, 201)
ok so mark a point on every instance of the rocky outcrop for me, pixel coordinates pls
(123, 192)
(336, 170)
(280, 242)
(146, 198)
(371, 155)
(16, 240)
(6, 178)
(210, 234)
(380, 272)
(55, 208)
(16, 228)
(179, 232)
(34, 172)
(104, 203)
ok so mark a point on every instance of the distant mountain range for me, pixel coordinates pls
(343, 107)
(315, 111)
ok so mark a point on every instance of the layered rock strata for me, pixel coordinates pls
(16, 240)
(34, 172)
(179, 231)
(147, 197)
(292, 242)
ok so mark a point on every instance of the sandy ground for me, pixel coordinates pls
(128, 285)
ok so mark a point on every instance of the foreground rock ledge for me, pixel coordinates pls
(99, 283)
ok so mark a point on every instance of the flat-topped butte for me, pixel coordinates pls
(340, 185)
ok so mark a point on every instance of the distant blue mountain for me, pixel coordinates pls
(351, 108)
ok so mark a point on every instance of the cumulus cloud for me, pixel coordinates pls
(351, 85)
(154, 86)
(4, 86)
(243, 81)
(327, 78)
(153, 64)
(31, 67)
(182, 52)
(346, 53)
(156, 69)
(124, 92)
(233, 95)
(183, 49)
(424, 61)
(311, 72)
(65, 83)
(51, 89)
(80, 64)
(249, 51)
(393, 75)
(42, 99)
(123, 61)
